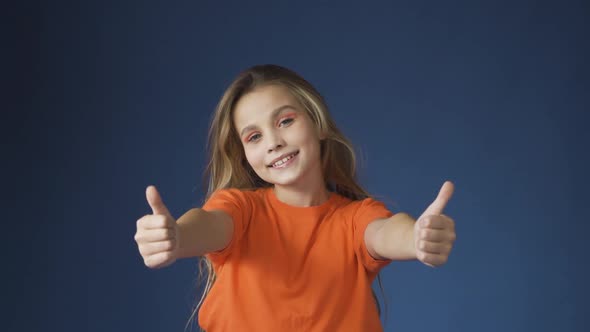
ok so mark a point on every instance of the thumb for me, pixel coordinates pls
(155, 201)
(439, 204)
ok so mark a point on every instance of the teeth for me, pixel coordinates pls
(282, 161)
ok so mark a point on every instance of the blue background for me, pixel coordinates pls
(108, 97)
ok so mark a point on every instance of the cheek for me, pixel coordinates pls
(255, 157)
(310, 139)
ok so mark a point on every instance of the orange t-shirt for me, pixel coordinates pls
(291, 268)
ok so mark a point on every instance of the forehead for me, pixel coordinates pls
(257, 105)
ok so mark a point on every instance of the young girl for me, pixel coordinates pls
(291, 241)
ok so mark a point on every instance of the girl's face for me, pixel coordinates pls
(279, 139)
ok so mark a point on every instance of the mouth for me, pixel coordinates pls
(283, 161)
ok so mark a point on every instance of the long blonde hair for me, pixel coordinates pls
(228, 167)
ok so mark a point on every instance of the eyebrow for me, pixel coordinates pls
(273, 115)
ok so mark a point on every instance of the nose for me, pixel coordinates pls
(275, 141)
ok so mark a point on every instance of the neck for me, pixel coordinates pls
(303, 197)
(308, 190)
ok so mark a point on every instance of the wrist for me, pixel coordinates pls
(397, 237)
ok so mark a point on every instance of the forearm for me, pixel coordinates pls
(199, 233)
(395, 239)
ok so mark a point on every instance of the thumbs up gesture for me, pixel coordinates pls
(157, 233)
(434, 232)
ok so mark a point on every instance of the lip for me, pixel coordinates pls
(281, 157)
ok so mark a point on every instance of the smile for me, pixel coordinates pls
(285, 161)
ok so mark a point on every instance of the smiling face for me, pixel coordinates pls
(280, 141)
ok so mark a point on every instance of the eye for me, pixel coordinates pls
(285, 122)
(253, 137)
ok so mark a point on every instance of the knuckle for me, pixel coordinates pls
(167, 234)
(168, 245)
(421, 256)
(167, 256)
(158, 235)
(162, 221)
(147, 261)
(446, 249)
(152, 263)
(156, 220)
(451, 237)
(141, 221)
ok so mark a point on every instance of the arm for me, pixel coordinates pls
(201, 232)
(430, 239)
(391, 238)
(161, 239)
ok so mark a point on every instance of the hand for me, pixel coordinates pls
(157, 233)
(434, 233)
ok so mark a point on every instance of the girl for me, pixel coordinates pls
(290, 239)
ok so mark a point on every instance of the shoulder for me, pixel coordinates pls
(359, 213)
(240, 204)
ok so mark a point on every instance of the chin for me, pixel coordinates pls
(282, 179)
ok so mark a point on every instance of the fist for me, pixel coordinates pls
(157, 233)
(434, 232)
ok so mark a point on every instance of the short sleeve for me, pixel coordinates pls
(235, 203)
(368, 211)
